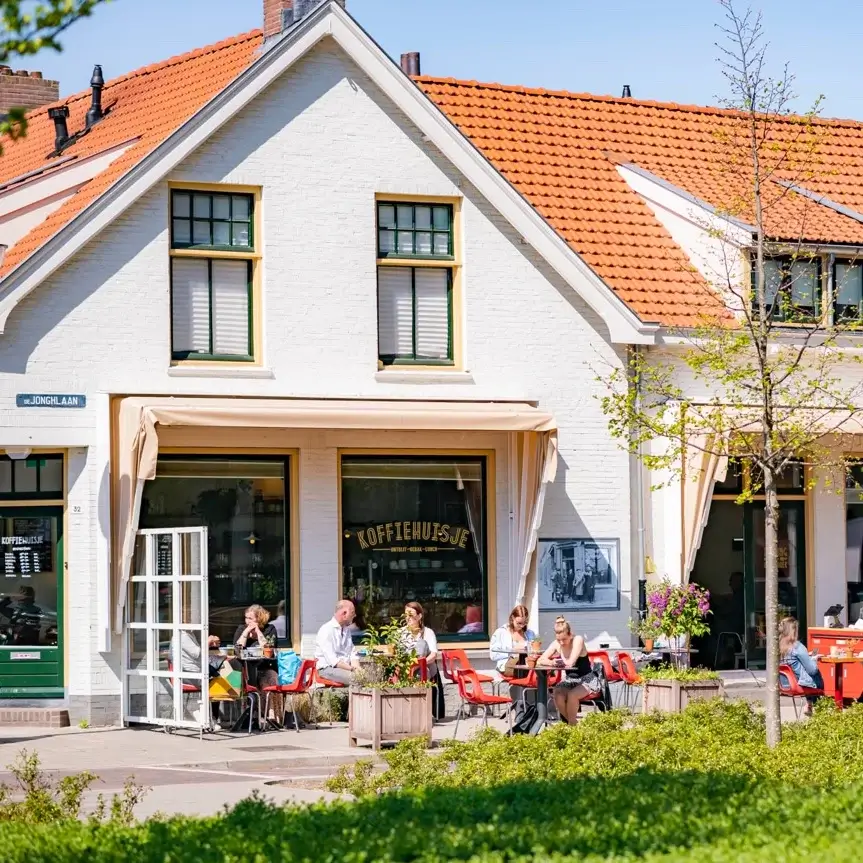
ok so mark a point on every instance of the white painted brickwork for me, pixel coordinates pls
(321, 143)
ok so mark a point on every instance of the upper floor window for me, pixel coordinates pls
(212, 270)
(416, 279)
(847, 292)
(792, 288)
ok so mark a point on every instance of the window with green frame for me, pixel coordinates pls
(39, 477)
(211, 296)
(415, 306)
(792, 288)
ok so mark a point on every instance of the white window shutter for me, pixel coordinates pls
(231, 308)
(190, 305)
(432, 315)
(395, 312)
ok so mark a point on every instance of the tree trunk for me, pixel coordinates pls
(771, 605)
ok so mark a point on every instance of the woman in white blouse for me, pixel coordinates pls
(515, 636)
(423, 640)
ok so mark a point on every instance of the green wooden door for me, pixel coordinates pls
(31, 602)
(792, 573)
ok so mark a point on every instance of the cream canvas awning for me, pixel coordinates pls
(138, 447)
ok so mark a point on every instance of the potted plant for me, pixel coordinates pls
(647, 629)
(269, 647)
(677, 611)
(386, 703)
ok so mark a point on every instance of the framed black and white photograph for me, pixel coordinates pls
(579, 574)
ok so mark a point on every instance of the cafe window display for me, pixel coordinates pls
(414, 529)
(242, 503)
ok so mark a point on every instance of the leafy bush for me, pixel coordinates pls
(709, 737)
(646, 816)
(674, 672)
(40, 800)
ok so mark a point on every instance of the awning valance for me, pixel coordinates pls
(141, 417)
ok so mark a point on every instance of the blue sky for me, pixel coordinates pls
(664, 49)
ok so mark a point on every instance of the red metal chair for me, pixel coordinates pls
(455, 661)
(471, 692)
(629, 675)
(420, 670)
(253, 697)
(301, 686)
(603, 657)
(321, 683)
(791, 688)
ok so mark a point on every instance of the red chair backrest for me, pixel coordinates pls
(420, 670)
(605, 659)
(791, 685)
(454, 661)
(554, 677)
(469, 687)
(305, 676)
(628, 669)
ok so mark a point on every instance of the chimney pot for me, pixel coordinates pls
(23, 73)
(627, 93)
(61, 131)
(410, 63)
(35, 74)
(97, 82)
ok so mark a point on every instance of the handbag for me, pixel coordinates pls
(289, 666)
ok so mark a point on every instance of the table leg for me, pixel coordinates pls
(541, 703)
(837, 686)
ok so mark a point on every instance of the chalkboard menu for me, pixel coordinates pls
(27, 546)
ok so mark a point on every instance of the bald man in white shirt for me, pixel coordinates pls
(334, 647)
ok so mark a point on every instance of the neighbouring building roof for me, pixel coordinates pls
(145, 106)
(560, 151)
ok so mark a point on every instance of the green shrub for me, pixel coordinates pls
(709, 737)
(674, 672)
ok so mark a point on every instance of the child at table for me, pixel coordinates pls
(793, 653)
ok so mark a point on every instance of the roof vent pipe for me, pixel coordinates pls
(410, 64)
(97, 82)
(61, 131)
(627, 93)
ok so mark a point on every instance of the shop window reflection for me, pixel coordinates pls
(414, 529)
(242, 504)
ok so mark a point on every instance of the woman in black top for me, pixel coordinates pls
(579, 679)
(256, 630)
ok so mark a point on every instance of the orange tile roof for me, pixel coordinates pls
(146, 106)
(560, 151)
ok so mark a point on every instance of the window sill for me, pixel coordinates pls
(219, 371)
(422, 376)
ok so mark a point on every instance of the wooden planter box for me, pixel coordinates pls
(384, 715)
(672, 696)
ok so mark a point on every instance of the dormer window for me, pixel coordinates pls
(792, 288)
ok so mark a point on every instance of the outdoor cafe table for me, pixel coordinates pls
(839, 663)
(542, 672)
(251, 663)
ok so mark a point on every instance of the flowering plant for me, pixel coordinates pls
(677, 609)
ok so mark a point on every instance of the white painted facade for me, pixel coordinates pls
(321, 141)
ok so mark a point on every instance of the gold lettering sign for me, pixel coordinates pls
(408, 536)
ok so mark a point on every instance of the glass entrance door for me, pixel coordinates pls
(166, 655)
(31, 602)
(792, 574)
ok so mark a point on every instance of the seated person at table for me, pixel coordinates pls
(579, 678)
(280, 622)
(420, 638)
(189, 652)
(510, 640)
(334, 647)
(257, 631)
(793, 653)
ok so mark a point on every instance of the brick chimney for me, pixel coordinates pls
(275, 19)
(23, 89)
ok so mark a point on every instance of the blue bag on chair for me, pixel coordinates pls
(289, 667)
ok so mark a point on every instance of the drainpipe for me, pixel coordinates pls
(636, 487)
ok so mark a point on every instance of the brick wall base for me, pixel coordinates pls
(42, 717)
(96, 710)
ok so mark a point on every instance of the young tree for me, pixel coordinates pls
(768, 382)
(27, 27)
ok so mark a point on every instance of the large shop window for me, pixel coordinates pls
(415, 529)
(854, 540)
(242, 503)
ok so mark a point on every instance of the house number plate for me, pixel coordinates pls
(26, 656)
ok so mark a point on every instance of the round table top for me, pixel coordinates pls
(838, 660)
